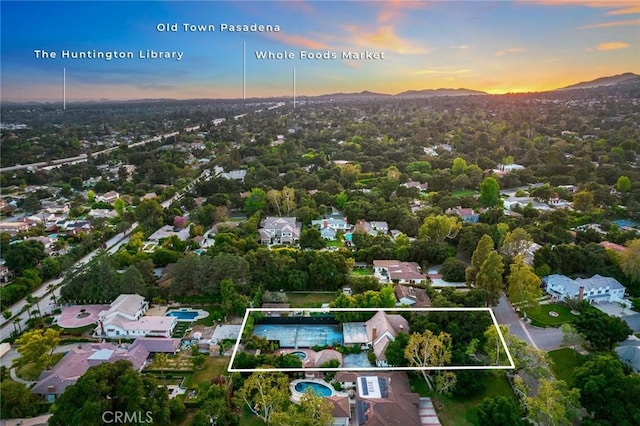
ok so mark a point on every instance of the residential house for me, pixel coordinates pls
(125, 318)
(596, 289)
(13, 228)
(108, 197)
(52, 383)
(280, 230)
(411, 296)
(398, 272)
(340, 410)
(381, 227)
(629, 353)
(467, 215)
(385, 399)
(422, 187)
(375, 334)
(330, 226)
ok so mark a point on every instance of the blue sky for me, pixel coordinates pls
(498, 46)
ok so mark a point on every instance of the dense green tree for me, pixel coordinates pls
(606, 392)
(453, 270)
(489, 278)
(311, 238)
(516, 243)
(602, 331)
(427, 349)
(439, 228)
(256, 201)
(630, 259)
(23, 255)
(499, 411)
(312, 410)
(480, 254)
(523, 285)
(395, 351)
(264, 394)
(623, 184)
(17, 400)
(490, 193)
(583, 201)
(121, 388)
(37, 346)
(149, 214)
(554, 403)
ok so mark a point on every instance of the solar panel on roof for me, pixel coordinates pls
(363, 386)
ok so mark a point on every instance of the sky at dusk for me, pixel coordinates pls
(494, 46)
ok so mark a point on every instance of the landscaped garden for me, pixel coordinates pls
(550, 315)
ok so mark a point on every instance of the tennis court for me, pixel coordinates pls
(300, 336)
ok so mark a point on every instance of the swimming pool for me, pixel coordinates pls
(186, 314)
(300, 336)
(625, 223)
(317, 388)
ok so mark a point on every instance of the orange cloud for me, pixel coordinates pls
(298, 40)
(383, 38)
(625, 11)
(614, 45)
(613, 24)
(392, 10)
(510, 50)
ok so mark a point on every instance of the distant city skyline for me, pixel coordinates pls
(183, 50)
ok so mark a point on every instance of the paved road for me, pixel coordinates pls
(542, 338)
(506, 315)
(44, 291)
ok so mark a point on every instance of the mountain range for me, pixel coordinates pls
(621, 79)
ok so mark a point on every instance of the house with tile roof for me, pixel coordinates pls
(398, 272)
(53, 382)
(385, 399)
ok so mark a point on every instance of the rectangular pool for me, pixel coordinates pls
(300, 336)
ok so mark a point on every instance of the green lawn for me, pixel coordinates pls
(310, 300)
(458, 411)
(565, 361)
(214, 366)
(464, 192)
(214, 315)
(540, 317)
(335, 243)
(362, 271)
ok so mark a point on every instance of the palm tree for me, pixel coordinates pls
(17, 321)
(51, 288)
(31, 300)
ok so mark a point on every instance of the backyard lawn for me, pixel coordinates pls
(214, 366)
(310, 300)
(362, 271)
(540, 317)
(458, 411)
(565, 361)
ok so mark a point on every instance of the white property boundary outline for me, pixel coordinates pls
(249, 311)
